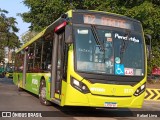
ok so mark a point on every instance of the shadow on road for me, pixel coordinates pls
(6, 81)
(72, 111)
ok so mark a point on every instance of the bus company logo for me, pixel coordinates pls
(113, 90)
(34, 81)
(98, 89)
(133, 39)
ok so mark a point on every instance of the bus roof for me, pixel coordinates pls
(69, 13)
(39, 35)
(43, 32)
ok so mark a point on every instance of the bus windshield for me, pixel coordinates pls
(106, 50)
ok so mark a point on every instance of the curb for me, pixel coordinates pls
(152, 94)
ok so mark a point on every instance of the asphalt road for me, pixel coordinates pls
(13, 100)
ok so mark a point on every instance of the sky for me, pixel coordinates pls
(14, 7)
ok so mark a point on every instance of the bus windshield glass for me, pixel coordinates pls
(106, 50)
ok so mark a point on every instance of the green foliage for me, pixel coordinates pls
(43, 13)
(155, 59)
(28, 36)
(8, 38)
(1, 55)
(8, 28)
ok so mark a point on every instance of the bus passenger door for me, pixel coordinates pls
(60, 58)
(25, 67)
(57, 65)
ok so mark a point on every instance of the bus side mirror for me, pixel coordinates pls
(149, 46)
(68, 34)
(26, 49)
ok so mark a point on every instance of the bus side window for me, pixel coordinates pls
(37, 52)
(47, 54)
(19, 62)
(30, 58)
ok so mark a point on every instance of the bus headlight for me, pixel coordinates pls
(80, 86)
(140, 90)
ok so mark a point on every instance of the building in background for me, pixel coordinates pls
(9, 55)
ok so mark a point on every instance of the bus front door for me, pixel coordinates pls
(57, 65)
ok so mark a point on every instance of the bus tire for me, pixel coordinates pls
(42, 94)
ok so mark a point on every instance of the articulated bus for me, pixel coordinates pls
(85, 58)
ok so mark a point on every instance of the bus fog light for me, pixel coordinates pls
(83, 87)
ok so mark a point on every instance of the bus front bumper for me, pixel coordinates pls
(76, 98)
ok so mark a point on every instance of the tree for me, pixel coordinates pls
(8, 29)
(155, 60)
(28, 36)
(42, 13)
(8, 38)
(1, 55)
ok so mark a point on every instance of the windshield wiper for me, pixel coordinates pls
(95, 34)
(124, 44)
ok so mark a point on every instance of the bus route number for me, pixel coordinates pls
(90, 19)
(107, 21)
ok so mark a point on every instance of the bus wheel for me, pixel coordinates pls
(42, 94)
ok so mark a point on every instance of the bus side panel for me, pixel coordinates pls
(33, 82)
(63, 92)
(48, 81)
(17, 78)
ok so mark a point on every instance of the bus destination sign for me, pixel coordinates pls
(106, 20)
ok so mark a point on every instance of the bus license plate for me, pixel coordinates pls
(110, 104)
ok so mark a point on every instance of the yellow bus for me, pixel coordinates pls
(85, 58)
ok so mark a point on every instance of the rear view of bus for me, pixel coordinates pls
(107, 62)
(86, 58)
